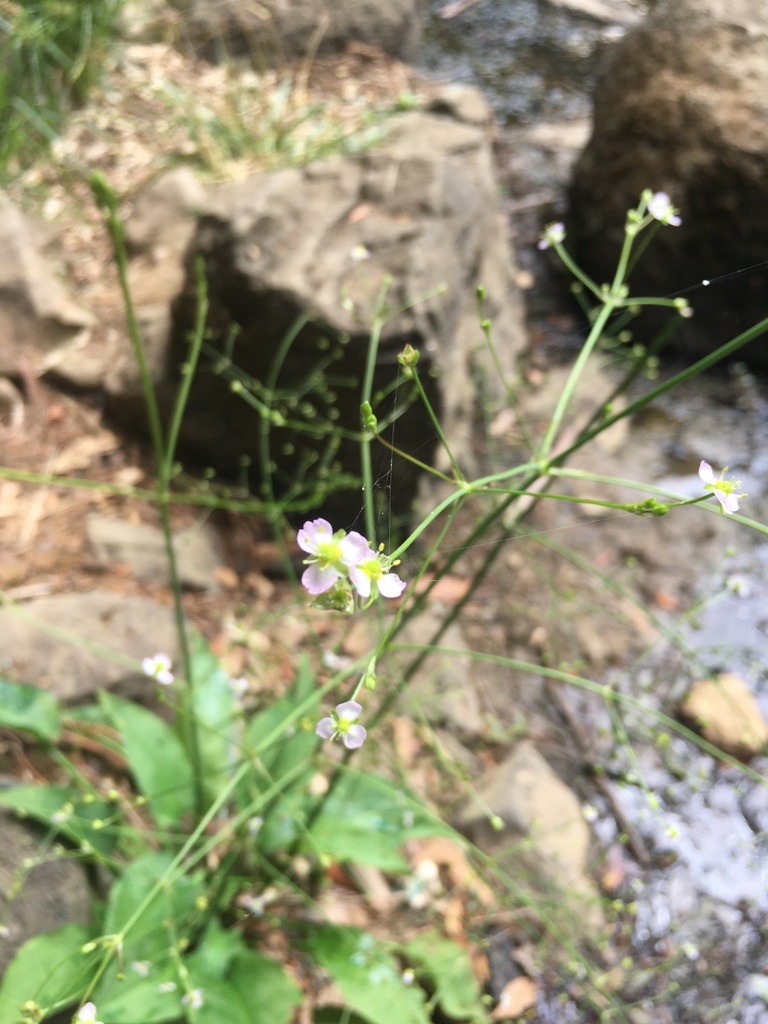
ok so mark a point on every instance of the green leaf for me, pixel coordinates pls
(48, 969)
(367, 975)
(450, 973)
(284, 756)
(216, 952)
(170, 911)
(157, 759)
(265, 988)
(366, 819)
(222, 1003)
(140, 999)
(215, 709)
(30, 709)
(64, 810)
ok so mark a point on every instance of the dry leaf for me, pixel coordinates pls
(448, 589)
(517, 996)
(446, 853)
(359, 212)
(81, 453)
(226, 577)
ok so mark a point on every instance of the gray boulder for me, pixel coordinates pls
(55, 892)
(416, 220)
(39, 322)
(680, 107)
(272, 31)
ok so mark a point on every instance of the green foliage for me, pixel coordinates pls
(366, 819)
(77, 816)
(367, 975)
(449, 974)
(214, 708)
(29, 709)
(51, 54)
(50, 970)
(156, 757)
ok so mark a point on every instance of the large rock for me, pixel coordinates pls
(77, 644)
(320, 243)
(276, 30)
(38, 320)
(680, 107)
(542, 838)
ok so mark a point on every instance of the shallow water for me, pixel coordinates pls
(534, 62)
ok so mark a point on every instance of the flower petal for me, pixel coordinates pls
(730, 502)
(326, 728)
(706, 474)
(361, 581)
(354, 737)
(350, 710)
(317, 580)
(391, 585)
(355, 549)
(314, 533)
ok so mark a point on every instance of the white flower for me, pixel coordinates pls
(87, 1014)
(341, 725)
(159, 668)
(359, 254)
(141, 967)
(372, 569)
(239, 687)
(723, 490)
(660, 208)
(193, 999)
(331, 554)
(166, 986)
(551, 235)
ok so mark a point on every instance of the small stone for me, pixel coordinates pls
(726, 714)
(198, 554)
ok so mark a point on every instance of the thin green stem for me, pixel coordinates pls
(573, 379)
(458, 475)
(365, 397)
(163, 452)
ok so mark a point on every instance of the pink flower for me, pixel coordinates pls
(331, 554)
(341, 725)
(372, 569)
(553, 234)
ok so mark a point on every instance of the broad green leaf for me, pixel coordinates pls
(222, 1003)
(282, 759)
(48, 969)
(367, 975)
(63, 809)
(450, 973)
(215, 709)
(366, 819)
(140, 999)
(157, 760)
(30, 709)
(265, 988)
(216, 951)
(170, 909)
(285, 817)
